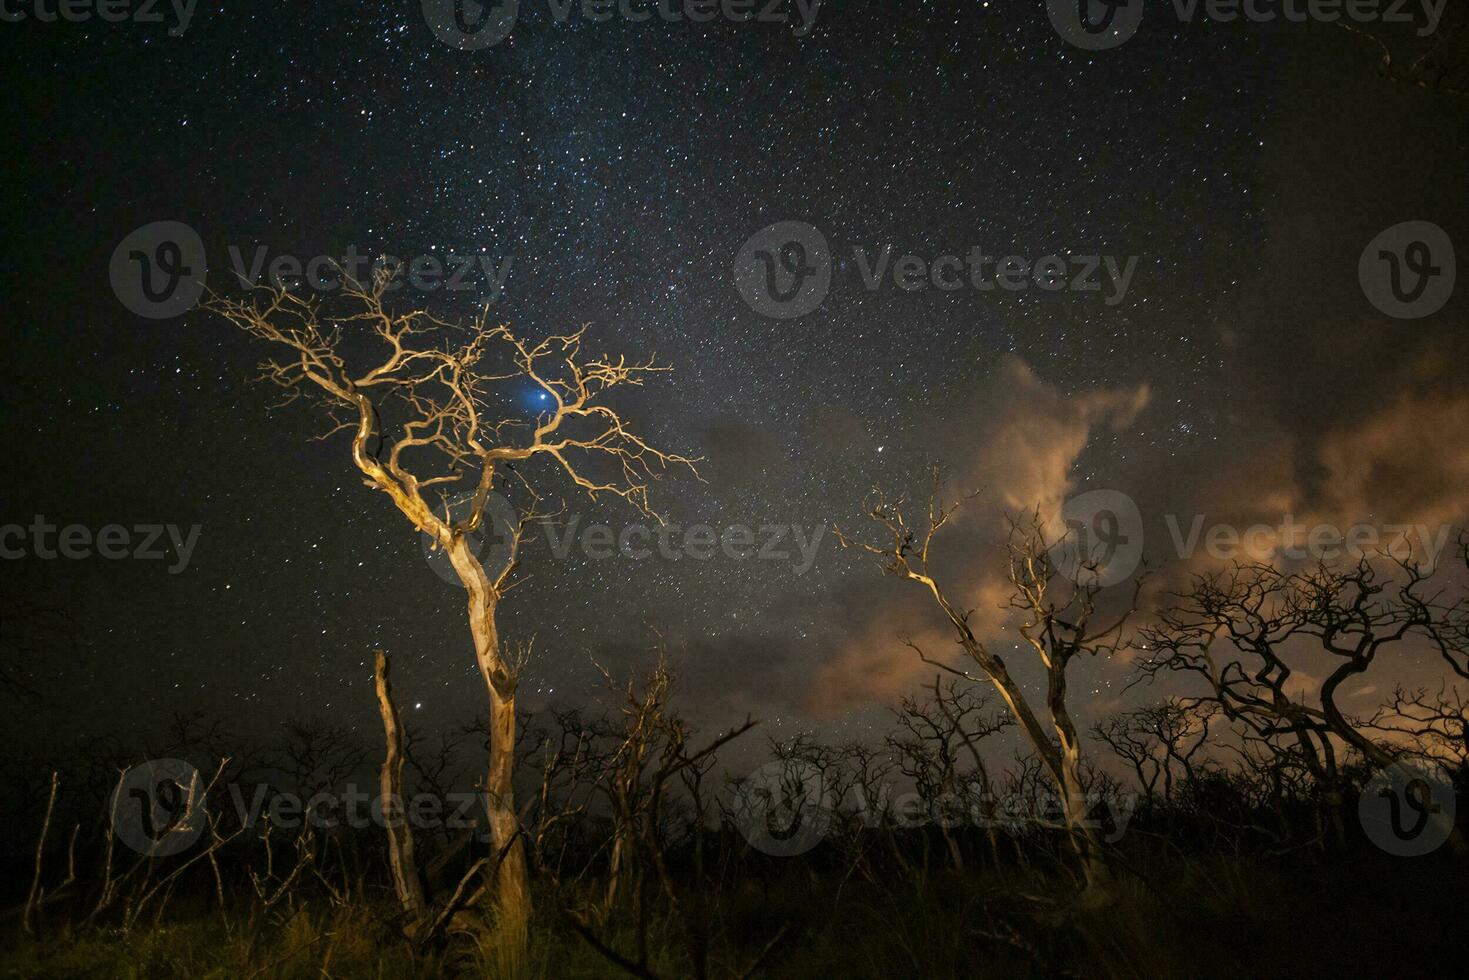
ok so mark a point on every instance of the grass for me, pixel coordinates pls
(1187, 918)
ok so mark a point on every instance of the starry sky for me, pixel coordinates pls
(621, 166)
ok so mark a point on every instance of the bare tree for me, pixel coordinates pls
(934, 736)
(653, 751)
(1437, 63)
(573, 755)
(414, 393)
(1159, 741)
(1056, 623)
(315, 757)
(401, 861)
(1240, 630)
(1436, 725)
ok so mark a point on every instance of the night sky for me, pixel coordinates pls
(621, 167)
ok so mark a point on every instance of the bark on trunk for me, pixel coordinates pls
(401, 862)
(508, 867)
(1078, 820)
(1064, 767)
(1374, 755)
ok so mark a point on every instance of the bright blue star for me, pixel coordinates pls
(538, 400)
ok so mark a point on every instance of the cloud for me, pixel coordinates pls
(1015, 448)
(1407, 463)
(1023, 436)
(1401, 463)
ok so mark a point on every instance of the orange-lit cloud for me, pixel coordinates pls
(1016, 449)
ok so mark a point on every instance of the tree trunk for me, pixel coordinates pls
(401, 862)
(508, 865)
(1374, 755)
(1083, 837)
(511, 876)
(1078, 820)
(1064, 767)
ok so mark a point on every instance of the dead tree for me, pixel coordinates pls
(401, 862)
(34, 897)
(1159, 742)
(1435, 726)
(1438, 65)
(867, 767)
(1056, 623)
(1240, 630)
(652, 755)
(1276, 773)
(414, 393)
(935, 735)
(573, 755)
(315, 757)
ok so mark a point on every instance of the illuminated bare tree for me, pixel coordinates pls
(1057, 621)
(415, 394)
